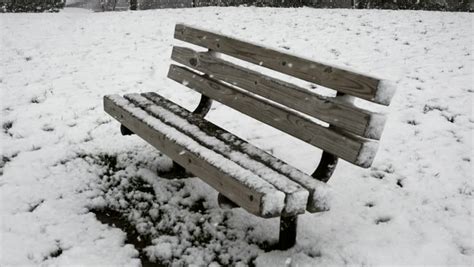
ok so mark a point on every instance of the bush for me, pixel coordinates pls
(451, 5)
(31, 5)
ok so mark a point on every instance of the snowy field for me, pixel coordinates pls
(63, 160)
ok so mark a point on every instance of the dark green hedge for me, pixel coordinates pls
(443, 5)
(31, 5)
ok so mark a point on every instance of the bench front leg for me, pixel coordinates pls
(288, 226)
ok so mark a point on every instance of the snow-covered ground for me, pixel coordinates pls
(62, 157)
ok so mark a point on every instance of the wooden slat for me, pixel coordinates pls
(345, 81)
(356, 150)
(343, 115)
(296, 197)
(316, 188)
(252, 199)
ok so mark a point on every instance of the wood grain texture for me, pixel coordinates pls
(349, 147)
(338, 113)
(250, 199)
(348, 82)
(235, 143)
(295, 195)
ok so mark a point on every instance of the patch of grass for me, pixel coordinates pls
(400, 183)
(35, 100)
(377, 174)
(35, 206)
(106, 160)
(427, 108)
(6, 126)
(138, 184)
(413, 122)
(109, 161)
(449, 118)
(56, 253)
(383, 219)
(5, 159)
(198, 206)
(140, 242)
(47, 128)
(175, 211)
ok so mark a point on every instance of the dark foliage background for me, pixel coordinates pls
(442, 5)
(31, 5)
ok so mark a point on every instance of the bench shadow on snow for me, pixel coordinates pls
(156, 212)
(117, 219)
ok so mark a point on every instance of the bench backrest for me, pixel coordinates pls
(352, 133)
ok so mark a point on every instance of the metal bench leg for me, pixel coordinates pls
(288, 227)
(176, 172)
(326, 167)
(224, 202)
(125, 131)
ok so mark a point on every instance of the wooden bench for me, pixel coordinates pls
(245, 175)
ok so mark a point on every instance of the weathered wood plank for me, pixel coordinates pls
(296, 197)
(349, 82)
(351, 148)
(338, 113)
(263, 200)
(318, 191)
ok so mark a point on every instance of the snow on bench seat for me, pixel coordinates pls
(232, 174)
(294, 183)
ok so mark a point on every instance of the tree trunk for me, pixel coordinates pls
(133, 4)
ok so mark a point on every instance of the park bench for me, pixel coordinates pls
(244, 175)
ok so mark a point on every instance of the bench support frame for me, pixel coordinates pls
(288, 224)
(204, 106)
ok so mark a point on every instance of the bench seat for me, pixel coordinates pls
(248, 176)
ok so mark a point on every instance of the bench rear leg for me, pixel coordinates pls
(125, 131)
(225, 203)
(326, 167)
(176, 172)
(288, 225)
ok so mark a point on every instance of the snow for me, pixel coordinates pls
(385, 91)
(367, 154)
(63, 157)
(376, 125)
